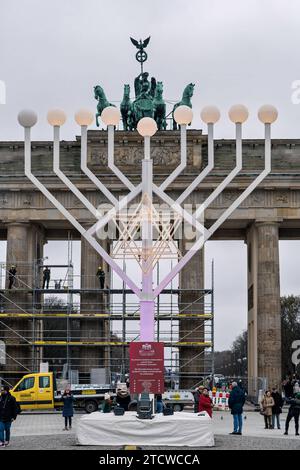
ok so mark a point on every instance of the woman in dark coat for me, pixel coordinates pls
(68, 410)
(277, 408)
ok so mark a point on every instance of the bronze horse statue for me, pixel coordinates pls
(159, 107)
(185, 100)
(125, 107)
(102, 101)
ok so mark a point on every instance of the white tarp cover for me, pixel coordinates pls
(180, 429)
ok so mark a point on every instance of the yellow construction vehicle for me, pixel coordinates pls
(39, 392)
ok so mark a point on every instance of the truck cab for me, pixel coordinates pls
(35, 391)
(38, 392)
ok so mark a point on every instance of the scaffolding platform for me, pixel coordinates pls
(110, 343)
(96, 290)
(60, 334)
(111, 316)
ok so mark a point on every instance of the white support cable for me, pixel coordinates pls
(111, 160)
(229, 178)
(64, 179)
(206, 170)
(87, 171)
(71, 219)
(200, 242)
(183, 160)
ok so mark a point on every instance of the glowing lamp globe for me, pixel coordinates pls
(111, 116)
(147, 127)
(56, 117)
(267, 114)
(238, 113)
(210, 114)
(183, 115)
(84, 117)
(27, 118)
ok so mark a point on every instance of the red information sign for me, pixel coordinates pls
(146, 367)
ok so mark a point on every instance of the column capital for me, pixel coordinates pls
(262, 222)
(12, 223)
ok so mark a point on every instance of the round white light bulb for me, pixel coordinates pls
(27, 118)
(111, 116)
(210, 114)
(146, 127)
(56, 117)
(267, 114)
(183, 115)
(84, 117)
(238, 113)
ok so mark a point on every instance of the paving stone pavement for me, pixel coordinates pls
(68, 442)
(45, 431)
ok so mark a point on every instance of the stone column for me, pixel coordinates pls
(264, 321)
(93, 301)
(191, 358)
(24, 247)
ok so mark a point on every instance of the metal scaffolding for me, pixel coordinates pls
(53, 333)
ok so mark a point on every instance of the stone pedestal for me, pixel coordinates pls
(264, 322)
(191, 358)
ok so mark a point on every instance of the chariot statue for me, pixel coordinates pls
(148, 100)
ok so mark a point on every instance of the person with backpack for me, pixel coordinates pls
(8, 413)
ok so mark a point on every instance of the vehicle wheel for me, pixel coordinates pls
(177, 407)
(91, 406)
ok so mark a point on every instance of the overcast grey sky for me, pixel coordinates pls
(53, 52)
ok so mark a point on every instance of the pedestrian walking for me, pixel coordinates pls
(68, 410)
(236, 403)
(277, 408)
(196, 394)
(101, 276)
(294, 412)
(46, 277)
(266, 407)
(8, 413)
(12, 273)
(205, 402)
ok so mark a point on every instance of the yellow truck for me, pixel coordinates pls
(39, 392)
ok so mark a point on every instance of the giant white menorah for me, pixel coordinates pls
(145, 216)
